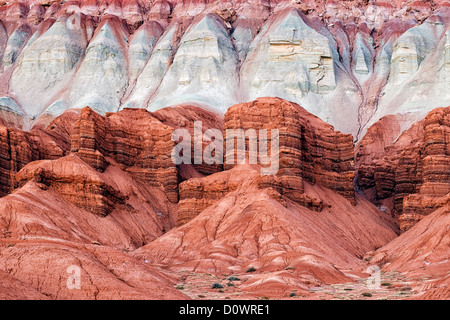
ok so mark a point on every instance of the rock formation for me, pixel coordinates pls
(422, 252)
(413, 170)
(97, 97)
(247, 224)
(309, 150)
(142, 148)
(19, 148)
(95, 181)
(357, 61)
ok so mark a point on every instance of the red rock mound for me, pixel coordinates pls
(105, 273)
(421, 249)
(67, 199)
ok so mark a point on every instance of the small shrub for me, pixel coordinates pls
(179, 287)
(251, 269)
(366, 294)
(233, 278)
(289, 268)
(231, 284)
(386, 284)
(292, 294)
(216, 286)
(405, 289)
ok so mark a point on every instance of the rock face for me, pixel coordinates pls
(144, 148)
(413, 171)
(350, 63)
(19, 148)
(87, 191)
(434, 191)
(309, 148)
(92, 93)
(86, 206)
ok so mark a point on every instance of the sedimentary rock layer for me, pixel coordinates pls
(143, 148)
(248, 224)
(350, 63)
(309, 148)
(19, 148)
(413, 170)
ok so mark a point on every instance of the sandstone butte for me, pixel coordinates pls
(357, 90)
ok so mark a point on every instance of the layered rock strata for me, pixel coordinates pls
(19, 148)
(370, 59)
(309, 150)
(413, 171)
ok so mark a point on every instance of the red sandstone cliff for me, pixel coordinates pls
(413, 171)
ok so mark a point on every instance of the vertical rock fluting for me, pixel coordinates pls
(143, 148)
(414, 171)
